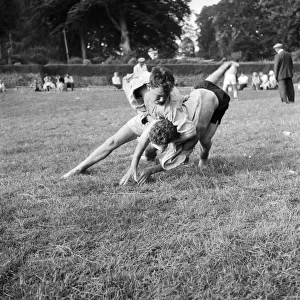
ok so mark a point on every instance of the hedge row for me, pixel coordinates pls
(84, 75)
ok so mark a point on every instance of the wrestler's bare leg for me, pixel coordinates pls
(219, 73)
(205, 129)
(124, 135)
(205, 144)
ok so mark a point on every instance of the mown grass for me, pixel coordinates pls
(231, 231)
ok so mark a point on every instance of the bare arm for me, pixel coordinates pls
(148, 172)
(143, 142)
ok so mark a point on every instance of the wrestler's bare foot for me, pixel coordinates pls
(203, 163)
(71, 173)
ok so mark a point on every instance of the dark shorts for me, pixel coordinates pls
(222, 96)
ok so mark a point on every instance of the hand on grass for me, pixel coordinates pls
(131, 172)
(145, 175)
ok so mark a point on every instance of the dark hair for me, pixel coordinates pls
(163, 132)
(161, 76)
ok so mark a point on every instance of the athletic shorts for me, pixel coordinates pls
(138, 123)
(222, 96)
(229, 79)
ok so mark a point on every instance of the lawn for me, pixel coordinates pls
(231, 231)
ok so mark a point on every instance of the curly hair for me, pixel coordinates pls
(163, 132)
(161, 76)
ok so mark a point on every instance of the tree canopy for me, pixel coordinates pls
(121, 29)
(249, 27)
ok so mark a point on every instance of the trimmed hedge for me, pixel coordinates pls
(84, 75)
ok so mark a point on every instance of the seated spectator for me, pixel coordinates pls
(48, 84)
(116, 81)
(272, 80)
(265, 84)
(255, 81)
(140, 67)
(243, 81)
(2, 86)
(59, 83)
(69, 82)
(35, 86)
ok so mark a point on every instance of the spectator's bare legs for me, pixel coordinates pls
(235, 91)
(124, 135)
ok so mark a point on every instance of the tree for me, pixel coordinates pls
(125, 26)
(207, 35)
(9, 14)
(241, 26)
(187, 47)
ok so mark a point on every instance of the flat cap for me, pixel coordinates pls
(141, 60)
(278, 45)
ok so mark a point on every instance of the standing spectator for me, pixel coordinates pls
(243, 81)
(69, 82)
(116, 81)
(230, 79)
(272, 80)
(2, 86)
(140, 67)
(255, 81)
(283, 69)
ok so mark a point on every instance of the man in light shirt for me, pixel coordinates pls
(69, 82)
(140, 67)
(243, 81)
(116, 81)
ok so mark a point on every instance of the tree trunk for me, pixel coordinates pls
(125, 41)
(82, 43)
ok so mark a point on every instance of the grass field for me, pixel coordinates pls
(231, 231)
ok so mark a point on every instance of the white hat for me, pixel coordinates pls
(271, 72)
(278, 45)
(141, 60)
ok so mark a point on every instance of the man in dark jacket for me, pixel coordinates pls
(283, 69)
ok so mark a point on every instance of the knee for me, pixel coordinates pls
(205, 142)
(111, 143)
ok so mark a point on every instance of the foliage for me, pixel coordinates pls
(187, 47)
(230, 231)
(9, 14)
(114, 26)
(252, 27)
(75, 60)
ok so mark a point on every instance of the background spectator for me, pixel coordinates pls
(265, 84)
(255, 81)
(243, 81)
(2, 86)
(69, 82)
(272, 80)
(140, 66)
(283, 69)
(230, 79)
(116, 81)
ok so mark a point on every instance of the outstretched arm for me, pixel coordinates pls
(143, 142)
